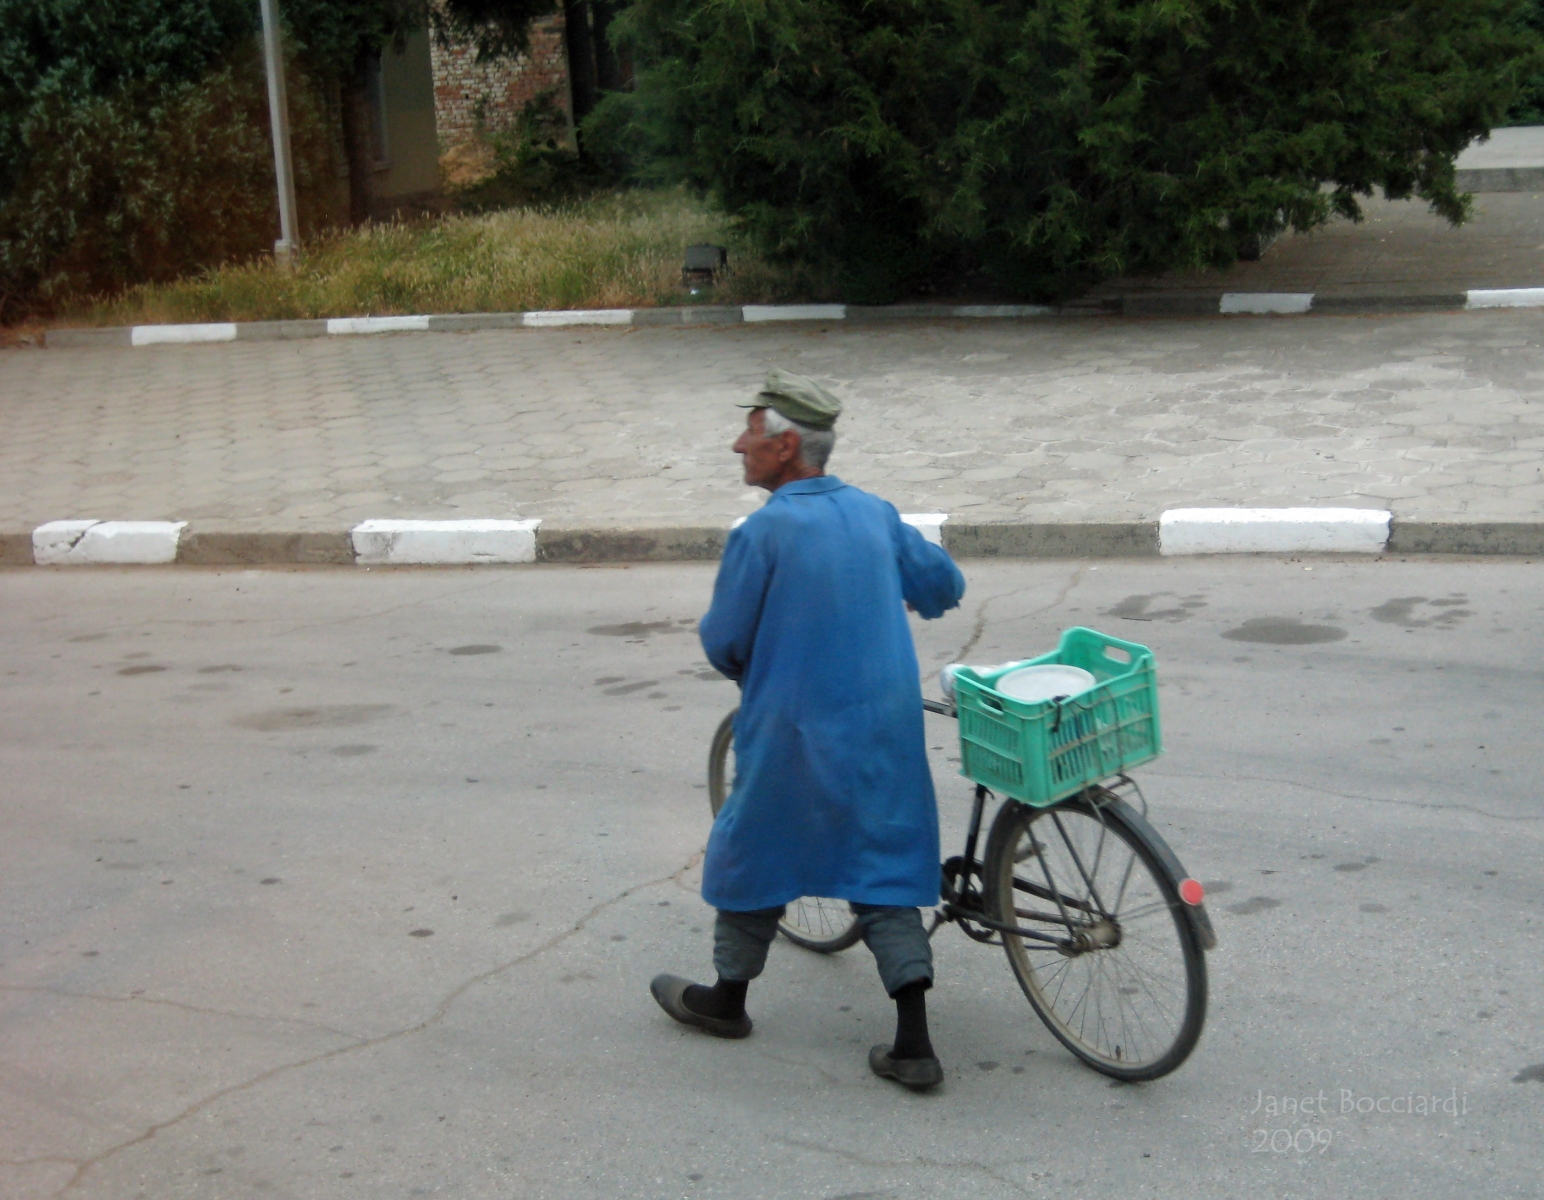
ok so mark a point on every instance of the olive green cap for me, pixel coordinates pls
(797, 398)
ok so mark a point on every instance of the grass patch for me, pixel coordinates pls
(612, 250)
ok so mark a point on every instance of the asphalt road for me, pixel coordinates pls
(347, 883)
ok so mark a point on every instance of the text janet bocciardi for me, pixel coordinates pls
(1346, 1102)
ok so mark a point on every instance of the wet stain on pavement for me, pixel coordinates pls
(1218, 888)
(1140, 608)
(420, 933)
(475, 649)
(219, 667)
(1283, 631)
(143, 669)
(709, 674)
(1373, 908)
(1530, 1074)
(1255, 904)
(89, 637)
(353, 749)
(1356, 866)
(987, 1065)
(641, 629)
(322, 716)
(505, 920)
(628, 688)
(1402, 611)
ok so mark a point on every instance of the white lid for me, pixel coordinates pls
(1045, 682)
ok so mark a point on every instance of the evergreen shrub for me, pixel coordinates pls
(134, 145)
(1048, 143)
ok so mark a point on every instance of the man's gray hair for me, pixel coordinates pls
(815, 445)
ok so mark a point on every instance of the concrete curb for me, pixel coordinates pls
(556, 543)
(1115, 539)
(1136, 304)
(1518, 538)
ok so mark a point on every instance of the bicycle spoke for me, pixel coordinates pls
(1120, 991)
(1076, 861)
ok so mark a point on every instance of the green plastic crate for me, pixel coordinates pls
(1042, 753)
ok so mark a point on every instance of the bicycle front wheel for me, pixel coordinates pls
(817, 923)
(1121, 978)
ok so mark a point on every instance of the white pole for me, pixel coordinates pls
(278, 115)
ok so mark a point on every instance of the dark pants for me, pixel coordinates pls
(895, 935)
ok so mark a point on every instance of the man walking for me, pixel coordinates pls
(832, 795)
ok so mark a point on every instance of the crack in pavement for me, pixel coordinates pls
(45, 1158)
(881, 1163)
(1308, 787)
(193, 1008)
(979, 629)
(83, 1166)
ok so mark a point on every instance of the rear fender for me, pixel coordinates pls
(1195, 912)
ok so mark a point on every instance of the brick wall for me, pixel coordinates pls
(465, 88)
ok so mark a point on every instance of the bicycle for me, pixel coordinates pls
(1111, 958)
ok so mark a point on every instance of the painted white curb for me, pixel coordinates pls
(1266, 302)
(81, 542)
(794, 312)
(1505, 298)
(349, 325)
(929, 525)
(443, 542)
(1273, 531)
(577, 316)
(157, 335)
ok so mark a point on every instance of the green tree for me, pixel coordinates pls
(1528, 108)
(68, 52)
(132, 142)
(1051, 142)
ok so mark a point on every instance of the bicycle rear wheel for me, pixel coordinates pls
(815, 922)
(1123, 983)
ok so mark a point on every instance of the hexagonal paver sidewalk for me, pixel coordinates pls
(1433, 416)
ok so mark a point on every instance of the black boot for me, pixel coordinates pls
(724, 1001)
(910, 1061)
(726, 996)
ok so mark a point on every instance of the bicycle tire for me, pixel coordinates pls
(816, 923)
(1132, 1009)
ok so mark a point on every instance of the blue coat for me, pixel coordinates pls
(832, 793)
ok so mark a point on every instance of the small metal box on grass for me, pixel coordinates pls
(1044, 752)
(704, 263)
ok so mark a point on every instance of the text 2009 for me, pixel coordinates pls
(1287, 1141)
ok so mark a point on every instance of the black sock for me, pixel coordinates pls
(911, 1040)
(724, 1000)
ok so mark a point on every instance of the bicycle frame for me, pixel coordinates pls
(964, 903)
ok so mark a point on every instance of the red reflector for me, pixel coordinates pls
(1191, 891)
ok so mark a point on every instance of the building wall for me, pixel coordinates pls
(412, 159)
(468, 93)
